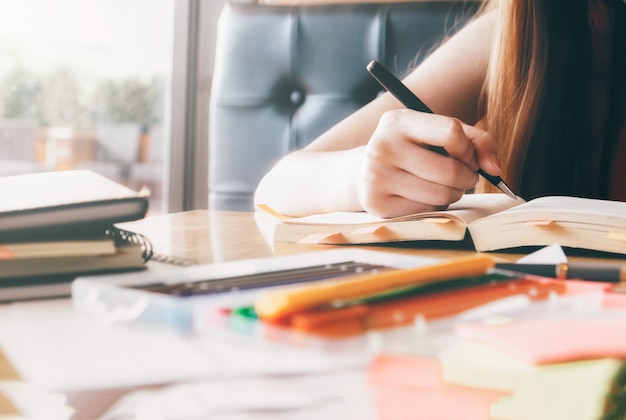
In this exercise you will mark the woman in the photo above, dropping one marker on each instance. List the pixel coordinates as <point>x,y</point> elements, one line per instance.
<point>531,90</point>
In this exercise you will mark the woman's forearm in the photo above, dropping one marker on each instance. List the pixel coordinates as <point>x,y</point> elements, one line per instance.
<point>306,182</point>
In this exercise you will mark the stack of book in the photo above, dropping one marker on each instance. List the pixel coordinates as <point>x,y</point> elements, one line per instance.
<point>55,226</point>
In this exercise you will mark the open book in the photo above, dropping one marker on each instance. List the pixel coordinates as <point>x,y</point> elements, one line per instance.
<point>492,221</point>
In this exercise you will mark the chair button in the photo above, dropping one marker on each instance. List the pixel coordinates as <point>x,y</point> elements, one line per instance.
<point>296,97</point>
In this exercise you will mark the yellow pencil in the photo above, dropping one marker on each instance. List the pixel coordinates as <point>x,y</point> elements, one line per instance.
<point>276,303</point>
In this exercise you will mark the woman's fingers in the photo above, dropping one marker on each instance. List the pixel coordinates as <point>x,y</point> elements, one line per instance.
<point>400,193</point>
<point>432,130</point>
<point>486,149</point>
<point>403,174</point>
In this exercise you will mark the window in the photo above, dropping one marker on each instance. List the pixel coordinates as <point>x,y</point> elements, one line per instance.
<point>87,84</point>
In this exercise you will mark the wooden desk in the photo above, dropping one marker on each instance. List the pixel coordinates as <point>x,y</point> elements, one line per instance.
<point>205,237</point>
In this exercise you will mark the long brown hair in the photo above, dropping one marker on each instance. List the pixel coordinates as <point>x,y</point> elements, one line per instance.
<point>556,130</point>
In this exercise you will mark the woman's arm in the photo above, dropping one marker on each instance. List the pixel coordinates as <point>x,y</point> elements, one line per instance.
<point>377,159</point>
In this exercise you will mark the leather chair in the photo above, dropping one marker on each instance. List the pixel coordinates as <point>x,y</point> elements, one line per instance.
<point>285,74</point>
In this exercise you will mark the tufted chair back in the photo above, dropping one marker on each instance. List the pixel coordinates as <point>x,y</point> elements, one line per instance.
<point>285,74</point>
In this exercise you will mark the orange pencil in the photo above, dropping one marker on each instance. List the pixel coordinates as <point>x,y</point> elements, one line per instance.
<point>277,303</point>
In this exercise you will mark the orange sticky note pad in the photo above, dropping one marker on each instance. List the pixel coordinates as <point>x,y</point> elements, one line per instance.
<point>439,220</point>
<point>617,236</point>
<point>539,223</point>
<point>6,254</point>
<point>271,211</point>
<point>370,230</point>
<point>323,238</point>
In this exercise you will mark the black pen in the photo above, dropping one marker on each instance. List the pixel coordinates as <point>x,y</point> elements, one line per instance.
<point>409,100</point>
<point>593,271</point>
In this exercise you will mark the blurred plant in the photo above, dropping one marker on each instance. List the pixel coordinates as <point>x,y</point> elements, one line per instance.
<point>20,93</point>
<point>61,98</point>
<point>128,100</point>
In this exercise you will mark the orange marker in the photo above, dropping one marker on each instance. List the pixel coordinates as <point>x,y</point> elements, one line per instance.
<point>346,322</point>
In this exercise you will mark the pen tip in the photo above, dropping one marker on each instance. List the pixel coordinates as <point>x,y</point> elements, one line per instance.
<point>505,189</point>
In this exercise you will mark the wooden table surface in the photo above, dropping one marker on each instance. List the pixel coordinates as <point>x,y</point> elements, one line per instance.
<point>206,236</point>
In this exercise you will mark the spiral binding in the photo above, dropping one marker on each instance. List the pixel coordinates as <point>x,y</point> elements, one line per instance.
<point>122,237</point>
<point>171,259</point>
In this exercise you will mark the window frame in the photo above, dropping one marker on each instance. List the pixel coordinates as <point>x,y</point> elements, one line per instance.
<point>186,174</point>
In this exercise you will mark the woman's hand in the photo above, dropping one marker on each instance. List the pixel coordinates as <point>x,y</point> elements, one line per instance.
<point>402,175</point>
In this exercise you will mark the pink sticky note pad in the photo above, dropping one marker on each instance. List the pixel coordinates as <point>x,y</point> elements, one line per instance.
<point>411,387</point>
<point>552,340</point>
<point>614,300</point>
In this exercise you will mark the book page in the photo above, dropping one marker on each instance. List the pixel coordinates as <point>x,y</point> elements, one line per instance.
<point>556,205</point>
<point>574,222</point>
<point>470,207</point>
